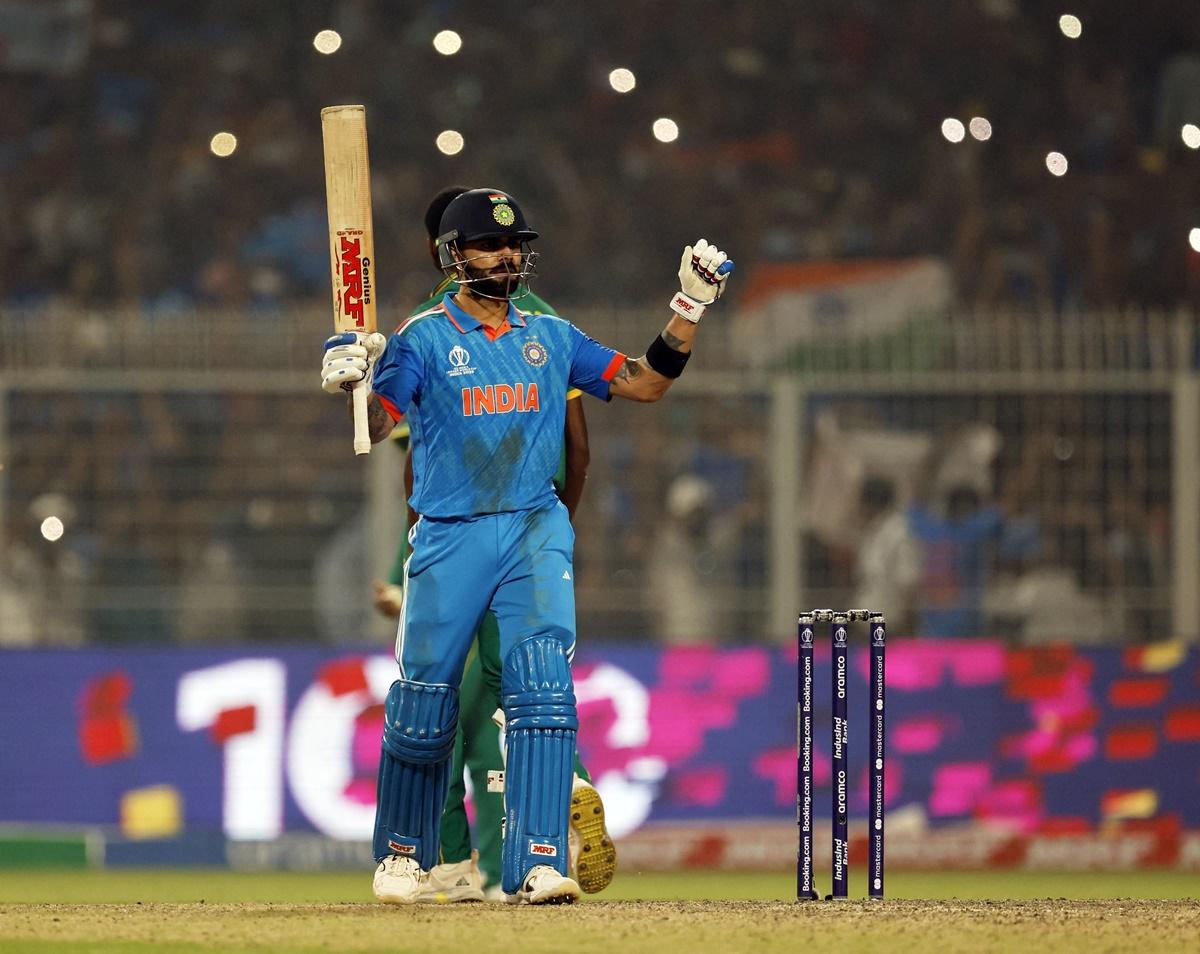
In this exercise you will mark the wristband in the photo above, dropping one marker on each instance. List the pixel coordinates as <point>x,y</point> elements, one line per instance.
<point>687,307</point>
<point>666,360</point>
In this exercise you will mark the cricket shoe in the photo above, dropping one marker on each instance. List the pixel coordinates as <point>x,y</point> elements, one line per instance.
<point>591,853</point>
<point>398,880</point>
<point>544,885</point>
<point>448,884</point>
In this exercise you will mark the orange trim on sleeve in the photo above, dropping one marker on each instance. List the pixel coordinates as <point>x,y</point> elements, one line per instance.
<point>613,367</point>
<point>573,394</point>
<point>393,411</point>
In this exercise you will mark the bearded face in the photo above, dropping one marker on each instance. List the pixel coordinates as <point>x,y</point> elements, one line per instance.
<point>495,281</point>
<point>494,267</point>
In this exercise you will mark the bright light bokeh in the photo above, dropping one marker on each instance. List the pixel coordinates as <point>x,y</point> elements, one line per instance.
<point>666,130</point>
<point>1071,26</point>
<point>1056,162</point>
<point>223,144</point>
<point>980,128</point>
<point>1194,239</point>
<point>52,529</point>
<point>450,142</point>
<point>953,130</point>
<point>622,80</point>
<point>327,41</point>
<point>447,42</point>
<point>1191,136</point>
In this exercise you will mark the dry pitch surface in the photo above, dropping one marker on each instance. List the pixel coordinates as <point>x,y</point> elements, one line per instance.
<point>295,913</point>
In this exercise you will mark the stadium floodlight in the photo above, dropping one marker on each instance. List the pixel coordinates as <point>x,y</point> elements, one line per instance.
<point>1056,162</point>
<point>327,41</point>
<point>665,130</point>
<point>1071,26</point>
<point>980,128</point>
<point>223,144</point>
<point>450,142</point>
<point>622,80</point>
<point>1191,135</point>
<point>447,42</point>
<point>953,130</point>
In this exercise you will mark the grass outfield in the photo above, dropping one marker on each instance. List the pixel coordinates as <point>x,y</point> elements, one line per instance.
<point>113,912</point>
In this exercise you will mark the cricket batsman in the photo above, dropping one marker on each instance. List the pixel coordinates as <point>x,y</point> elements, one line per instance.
<point>463,873</point>
<point>483,388</point>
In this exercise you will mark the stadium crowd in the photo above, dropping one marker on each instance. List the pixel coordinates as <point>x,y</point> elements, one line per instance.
<point>807,131</point>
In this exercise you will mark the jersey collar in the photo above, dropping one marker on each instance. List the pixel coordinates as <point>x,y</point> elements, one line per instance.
<point>464,322</point>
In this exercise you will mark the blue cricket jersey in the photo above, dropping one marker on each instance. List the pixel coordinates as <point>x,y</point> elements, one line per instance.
<point>487,408</point>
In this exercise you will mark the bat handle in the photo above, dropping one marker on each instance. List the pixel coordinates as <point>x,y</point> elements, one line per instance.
<point>362,433</point>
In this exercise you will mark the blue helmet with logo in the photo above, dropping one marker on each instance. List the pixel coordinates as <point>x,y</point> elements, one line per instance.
<point>480,214</point>
<point>483,213</point>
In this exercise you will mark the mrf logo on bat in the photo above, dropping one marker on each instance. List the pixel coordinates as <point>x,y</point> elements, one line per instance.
<point>356,277</point>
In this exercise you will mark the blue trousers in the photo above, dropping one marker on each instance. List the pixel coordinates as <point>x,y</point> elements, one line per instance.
<point>518,564</point>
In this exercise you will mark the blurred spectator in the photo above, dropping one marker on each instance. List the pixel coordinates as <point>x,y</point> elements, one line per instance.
<point>341,567</point>
<point>1178,94</point>
<point>1046,605</point>
<point>1014,270</point>
<point>211,606</point>
<point>690,563</point>
<point>17,624</point>
<point>954,553</point>
<point>889,559</point>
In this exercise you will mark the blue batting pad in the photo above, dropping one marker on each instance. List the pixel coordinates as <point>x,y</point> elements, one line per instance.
<point>539,705</point>
<point>414,770</point>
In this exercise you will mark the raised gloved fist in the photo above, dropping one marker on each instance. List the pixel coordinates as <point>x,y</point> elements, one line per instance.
<point>349,358</point>
<point>703,272</point>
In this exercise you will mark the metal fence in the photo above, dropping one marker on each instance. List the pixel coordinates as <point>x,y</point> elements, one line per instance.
<point>1001,474</point>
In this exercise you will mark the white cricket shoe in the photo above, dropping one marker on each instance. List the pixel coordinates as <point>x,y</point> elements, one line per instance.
<point>448,884</point>
<point>592,857</point>
<point>544,885</point>
<point>398,880</point>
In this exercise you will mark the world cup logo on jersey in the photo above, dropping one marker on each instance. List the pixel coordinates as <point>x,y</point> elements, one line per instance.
<point>535,353</point>
<point>460,361</point>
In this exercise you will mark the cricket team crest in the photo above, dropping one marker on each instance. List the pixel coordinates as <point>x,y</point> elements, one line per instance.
<point>535,353</point>
<point>503,214</point>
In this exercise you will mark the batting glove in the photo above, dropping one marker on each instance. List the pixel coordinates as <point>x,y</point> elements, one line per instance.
<point>703,271</point>
<point>349,358</point>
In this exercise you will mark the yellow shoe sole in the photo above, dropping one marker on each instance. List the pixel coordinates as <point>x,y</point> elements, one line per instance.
<point>597,855</point>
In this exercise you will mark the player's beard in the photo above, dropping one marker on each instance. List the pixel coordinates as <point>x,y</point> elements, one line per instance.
<point>499,282</point>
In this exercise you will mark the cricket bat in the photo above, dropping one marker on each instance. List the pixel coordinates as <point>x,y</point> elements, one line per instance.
<point>351,236</point>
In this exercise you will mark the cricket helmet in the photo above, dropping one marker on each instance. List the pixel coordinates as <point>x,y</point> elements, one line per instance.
<point>482,214</point>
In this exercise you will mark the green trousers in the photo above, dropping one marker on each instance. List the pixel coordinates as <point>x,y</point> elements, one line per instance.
<point>477,745</point>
